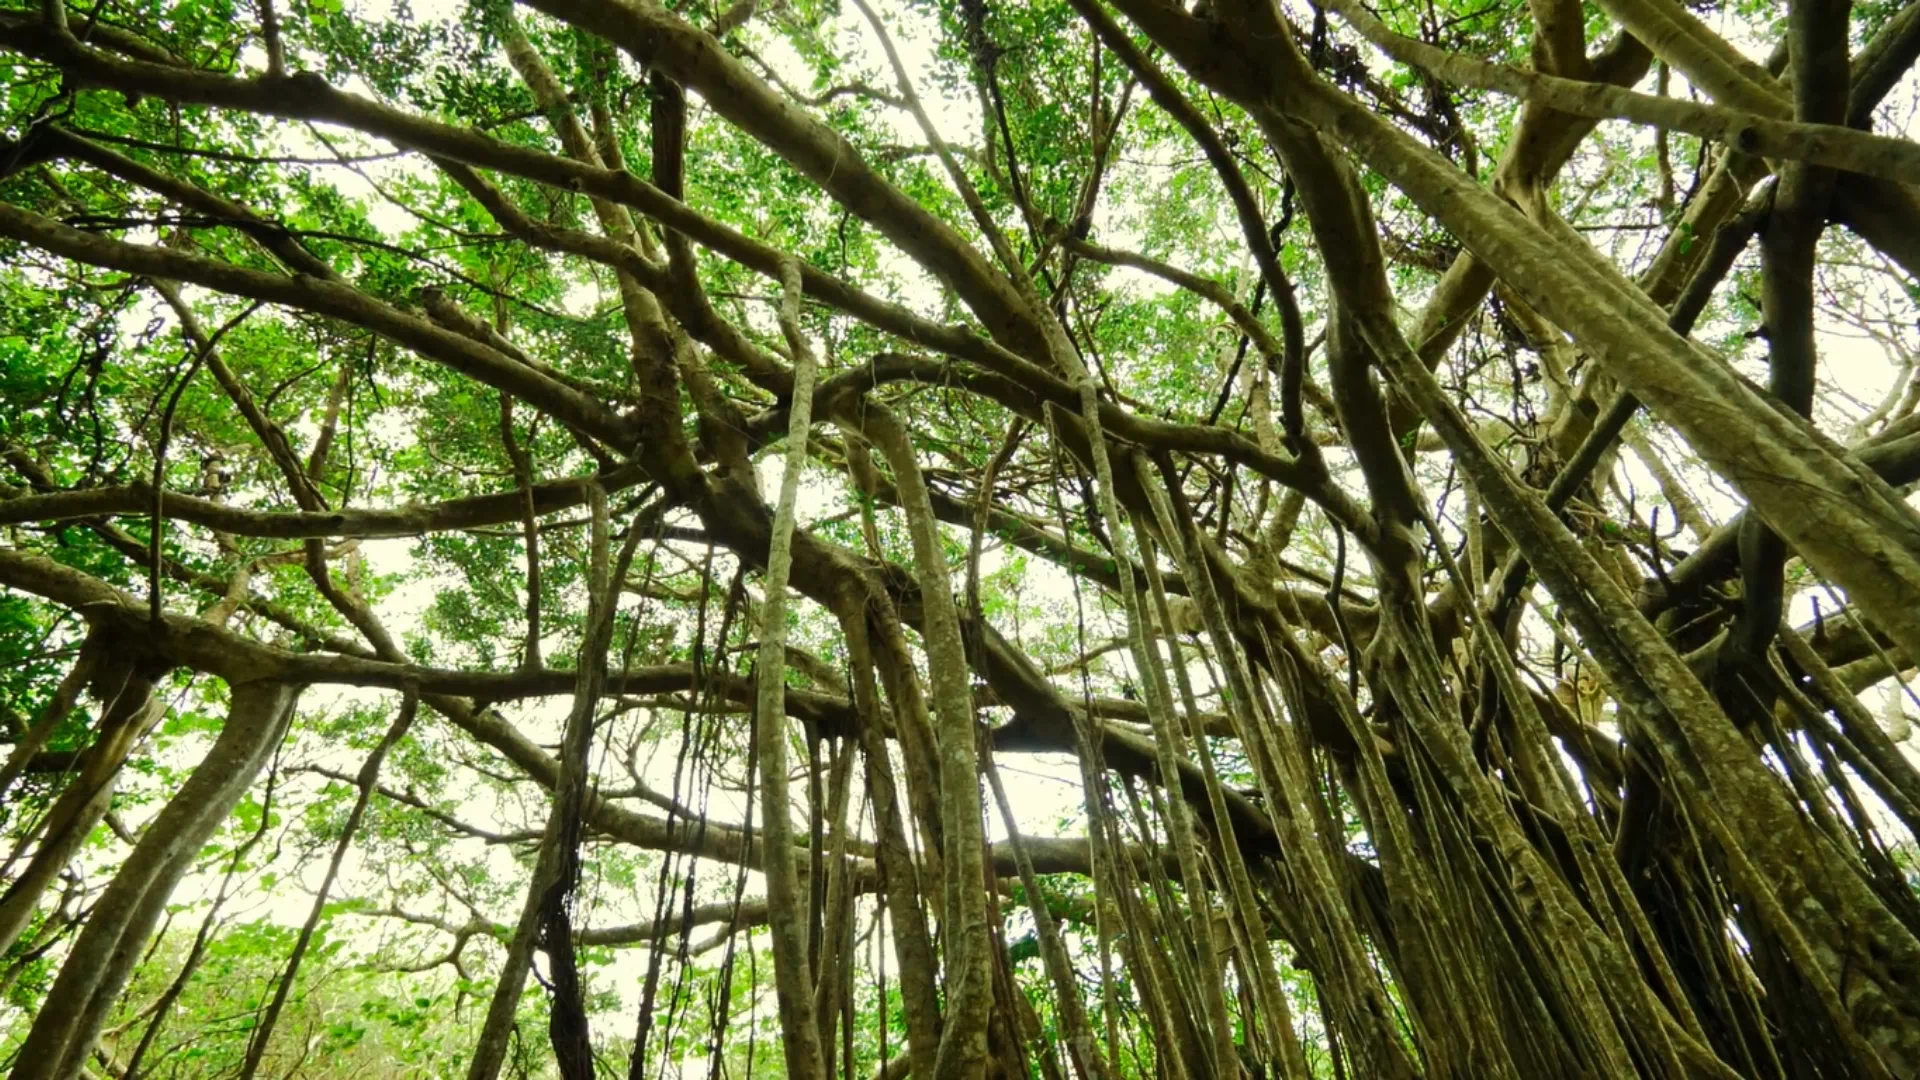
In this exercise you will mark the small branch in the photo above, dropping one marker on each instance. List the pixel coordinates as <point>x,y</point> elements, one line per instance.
<point>270,35</point>
<point>202,353</point>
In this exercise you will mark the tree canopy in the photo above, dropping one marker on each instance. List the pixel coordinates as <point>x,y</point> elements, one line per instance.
<point>959,539</point>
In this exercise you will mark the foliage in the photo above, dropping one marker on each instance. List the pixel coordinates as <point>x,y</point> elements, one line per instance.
<point>1502,466</point>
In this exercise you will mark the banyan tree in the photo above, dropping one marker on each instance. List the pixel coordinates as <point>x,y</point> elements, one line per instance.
<point>959,538</point>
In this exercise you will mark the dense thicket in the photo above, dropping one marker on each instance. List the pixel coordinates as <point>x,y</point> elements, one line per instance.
<point>1298,541</point>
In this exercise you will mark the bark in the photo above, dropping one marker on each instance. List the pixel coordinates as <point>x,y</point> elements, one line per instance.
<point>127,688</point>
<point>1848,525</point>
<point>103,956</point>
<point>793,975</point>
<point>544,916</point>
<point>964,930</point>
<point>1704,893</point>
<point>1819,142</point>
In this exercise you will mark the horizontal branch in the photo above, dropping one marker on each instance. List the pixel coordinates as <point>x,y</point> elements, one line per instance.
<point>203,646</point>
<point>474,511</point>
